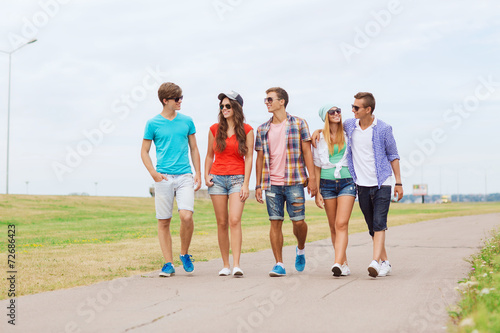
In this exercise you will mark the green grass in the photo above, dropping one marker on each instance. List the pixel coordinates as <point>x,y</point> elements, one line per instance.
<point>479,309</point>
<point>67,241</point>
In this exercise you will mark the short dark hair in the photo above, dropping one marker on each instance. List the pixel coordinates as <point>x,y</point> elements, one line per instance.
<point>169,90</point>
<point>368,99</point>
<point>282,94</point>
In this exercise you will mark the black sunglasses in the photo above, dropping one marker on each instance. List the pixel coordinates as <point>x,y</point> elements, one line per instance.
<point>270,99</point>
<point>228,106</point>
<point>356,108</point>
<point>177,99</point>
<point>333,111</point>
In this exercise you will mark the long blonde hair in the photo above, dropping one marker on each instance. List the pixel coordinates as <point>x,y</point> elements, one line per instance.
<point>339,136</point>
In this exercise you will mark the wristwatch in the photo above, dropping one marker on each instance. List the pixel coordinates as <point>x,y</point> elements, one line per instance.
<point>257,187</point>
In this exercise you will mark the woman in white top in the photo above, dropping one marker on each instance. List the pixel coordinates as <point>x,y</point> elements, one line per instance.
<point>337,189</point>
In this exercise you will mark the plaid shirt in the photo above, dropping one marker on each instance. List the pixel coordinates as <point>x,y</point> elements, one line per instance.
<point>296,131</point>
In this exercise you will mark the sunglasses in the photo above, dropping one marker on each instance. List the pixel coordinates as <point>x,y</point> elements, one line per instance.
<point>332,111</point>
<point>270,100</point>
<point>228,106</point>
<point>356,108</point>
<point>177,99</point>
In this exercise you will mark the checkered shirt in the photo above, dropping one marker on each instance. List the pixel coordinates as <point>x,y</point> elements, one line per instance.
<point>296,131</point>
<point>384,148</point>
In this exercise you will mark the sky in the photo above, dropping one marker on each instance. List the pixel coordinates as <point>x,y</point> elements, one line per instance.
<point>82,93</point>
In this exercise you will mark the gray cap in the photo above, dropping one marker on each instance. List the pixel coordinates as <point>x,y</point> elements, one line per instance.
<point>232,95</point>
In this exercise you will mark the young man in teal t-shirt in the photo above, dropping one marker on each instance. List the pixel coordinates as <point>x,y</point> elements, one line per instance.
<point>174,136</point>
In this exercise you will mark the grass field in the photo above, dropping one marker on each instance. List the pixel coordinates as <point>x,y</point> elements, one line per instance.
<point>479,308</point>
<point>67,241</point>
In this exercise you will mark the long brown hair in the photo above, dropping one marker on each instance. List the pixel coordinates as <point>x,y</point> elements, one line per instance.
<point>339,136</point>
<point>239,129</point>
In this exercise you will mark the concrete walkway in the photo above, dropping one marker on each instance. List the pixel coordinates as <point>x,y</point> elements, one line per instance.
<point>427,260</point>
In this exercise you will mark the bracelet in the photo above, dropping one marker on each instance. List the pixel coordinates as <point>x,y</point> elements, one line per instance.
<point>398,184</point>
<point>257,187</point>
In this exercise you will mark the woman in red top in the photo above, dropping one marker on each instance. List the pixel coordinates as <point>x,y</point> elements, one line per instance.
<point>227,173</point>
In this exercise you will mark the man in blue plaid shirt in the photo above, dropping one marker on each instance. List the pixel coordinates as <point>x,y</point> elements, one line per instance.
<point>372,157</point>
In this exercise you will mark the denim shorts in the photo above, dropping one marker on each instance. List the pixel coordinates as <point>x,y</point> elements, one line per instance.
<point>278,195</point>
<point>331,189</point>
<point>374,203</point>
<point>179,186</point>
<point>226,185</point>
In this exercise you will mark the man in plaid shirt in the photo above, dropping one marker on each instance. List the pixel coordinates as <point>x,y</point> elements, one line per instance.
<point>283,146</point>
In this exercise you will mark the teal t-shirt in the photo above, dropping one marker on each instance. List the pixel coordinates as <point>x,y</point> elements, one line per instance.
<point>334,158</point>
<point>172,143</point>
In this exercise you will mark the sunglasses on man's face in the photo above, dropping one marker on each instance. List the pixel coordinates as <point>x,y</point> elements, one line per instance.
<point>227,106</point>
<point>270,100</point>
<point>333,111</point>
<point>177,99</point>
<point>356,108</point>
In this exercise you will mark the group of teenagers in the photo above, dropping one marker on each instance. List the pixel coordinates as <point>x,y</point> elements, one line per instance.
<point>357,156</point>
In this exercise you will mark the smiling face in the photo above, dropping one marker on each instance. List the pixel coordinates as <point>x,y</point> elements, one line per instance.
<point>227,113</point>
<point>273,102</point>
<point>359,109</point>
<point>335,117</point>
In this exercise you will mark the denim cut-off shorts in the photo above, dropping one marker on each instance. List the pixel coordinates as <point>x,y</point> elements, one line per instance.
<point>226,185</point>
<point>292,194</point>
<point>331,189</point>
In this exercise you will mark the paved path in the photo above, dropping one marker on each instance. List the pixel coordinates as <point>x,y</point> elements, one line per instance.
<point>427,261</point>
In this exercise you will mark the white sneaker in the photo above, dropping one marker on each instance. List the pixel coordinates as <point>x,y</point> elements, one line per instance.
<point>385,268</point>
<point>374,268</point>
<point>337,269</point>
<point>345,270</point>
<point>225,272</point>
<point>237,272</point>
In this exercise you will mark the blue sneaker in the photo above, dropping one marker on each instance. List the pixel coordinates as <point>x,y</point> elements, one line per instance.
<point>167,270</point>
<point>277,271</point>
<point>187,262</point>
<point>300,262</point>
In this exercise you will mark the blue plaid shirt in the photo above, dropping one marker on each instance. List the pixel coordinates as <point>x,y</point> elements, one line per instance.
<point>384,148</point>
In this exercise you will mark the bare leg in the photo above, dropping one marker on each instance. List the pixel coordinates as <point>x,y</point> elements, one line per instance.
<point>300,232</point>
<point>187,227</point>
<point>383,255</point>
<point>165,239</point>
<point>220,208</point>
<point>379,246</point>
<point>235,212</point>
<point>276,237</point>
<point>331,214</point>
<point>344,209</point>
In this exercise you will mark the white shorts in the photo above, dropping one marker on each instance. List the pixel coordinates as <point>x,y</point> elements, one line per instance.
<point>180,186</point>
